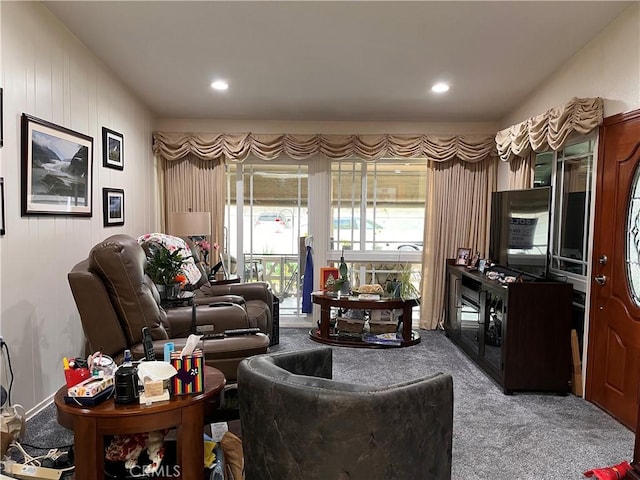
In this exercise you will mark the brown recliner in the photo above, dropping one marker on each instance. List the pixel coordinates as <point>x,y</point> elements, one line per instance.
<point>116,299</point>
<point>256,297</point>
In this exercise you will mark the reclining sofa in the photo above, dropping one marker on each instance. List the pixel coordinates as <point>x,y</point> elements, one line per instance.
<point>116,299</point>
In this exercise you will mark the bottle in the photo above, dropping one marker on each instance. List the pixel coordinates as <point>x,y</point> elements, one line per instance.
<point>342,268</point>
<point>128,360</point>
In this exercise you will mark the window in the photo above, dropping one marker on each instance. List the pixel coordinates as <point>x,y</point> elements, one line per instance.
<point>572,190</point>
<point>378,206</point>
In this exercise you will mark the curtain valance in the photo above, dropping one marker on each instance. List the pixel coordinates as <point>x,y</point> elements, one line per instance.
<point>237,147</point>
<point>551,129</point>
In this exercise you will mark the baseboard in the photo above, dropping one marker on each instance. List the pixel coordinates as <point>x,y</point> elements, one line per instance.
<point>39,407</point>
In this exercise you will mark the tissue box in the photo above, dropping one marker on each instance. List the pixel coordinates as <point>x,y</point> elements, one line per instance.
<point>190,376</point>
<point>91,386</point>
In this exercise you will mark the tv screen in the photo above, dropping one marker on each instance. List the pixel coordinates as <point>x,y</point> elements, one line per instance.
<point>519,230</point>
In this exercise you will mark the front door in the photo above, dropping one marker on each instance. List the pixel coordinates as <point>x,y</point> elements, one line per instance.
<point>613,361</point>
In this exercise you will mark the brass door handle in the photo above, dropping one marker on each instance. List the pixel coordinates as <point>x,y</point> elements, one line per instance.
<point>600,279</point>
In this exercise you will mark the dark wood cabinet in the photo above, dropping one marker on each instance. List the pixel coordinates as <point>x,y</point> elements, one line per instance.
<point>518,333</point>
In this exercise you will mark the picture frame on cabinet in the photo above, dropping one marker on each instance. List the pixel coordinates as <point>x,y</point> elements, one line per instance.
<point>3,228</point>
<point>463,255</point>
<point>57,169</point>
<point>112,149</point>
<point>112,207</point>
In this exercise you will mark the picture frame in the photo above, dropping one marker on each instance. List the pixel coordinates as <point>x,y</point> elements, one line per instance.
<point>3,228</point>
<point>463,256</point>
<point>324,275</point>
<point>473,263</point>
<point>57,169</point>
<point>112,207</point>
<point>112,149</point>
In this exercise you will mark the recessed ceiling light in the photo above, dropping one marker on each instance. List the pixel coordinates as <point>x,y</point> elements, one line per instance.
<point>440,87</point>
<point>219,85</point>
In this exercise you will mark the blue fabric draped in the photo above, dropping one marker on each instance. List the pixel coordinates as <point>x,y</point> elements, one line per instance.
<point>307,284</point>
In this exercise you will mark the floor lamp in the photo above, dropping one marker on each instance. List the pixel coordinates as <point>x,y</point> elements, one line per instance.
<point>190,224</point>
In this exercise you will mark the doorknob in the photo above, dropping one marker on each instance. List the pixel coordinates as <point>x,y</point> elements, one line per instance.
<point>600,279</point>
<point>603,259</point>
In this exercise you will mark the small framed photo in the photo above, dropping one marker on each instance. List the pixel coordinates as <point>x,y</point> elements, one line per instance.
<point>57,171</point>
<point>463,255</point>
<point>473,263</point>
<point>113,207</point>
<point>112,149</point>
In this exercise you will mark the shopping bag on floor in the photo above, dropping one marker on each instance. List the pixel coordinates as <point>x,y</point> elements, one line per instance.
<point>11,426</point>
<point>617,472</point>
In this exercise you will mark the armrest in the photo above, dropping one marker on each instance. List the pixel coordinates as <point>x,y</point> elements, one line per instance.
<point>248,290</point>
<point>237,299</point>
<point>220,317</point>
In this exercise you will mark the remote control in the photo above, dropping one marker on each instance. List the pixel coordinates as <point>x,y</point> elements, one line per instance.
<point>241,331</point>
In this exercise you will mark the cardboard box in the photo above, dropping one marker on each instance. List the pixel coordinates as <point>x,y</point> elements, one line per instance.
<point>91,386</point>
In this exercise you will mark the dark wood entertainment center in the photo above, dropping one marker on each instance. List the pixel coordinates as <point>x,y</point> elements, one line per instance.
<point>518,333</point>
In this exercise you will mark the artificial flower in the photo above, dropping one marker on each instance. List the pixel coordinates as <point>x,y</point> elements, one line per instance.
<point>180,278</point>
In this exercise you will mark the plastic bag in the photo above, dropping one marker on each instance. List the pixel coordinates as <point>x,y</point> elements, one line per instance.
<point>12,423</point>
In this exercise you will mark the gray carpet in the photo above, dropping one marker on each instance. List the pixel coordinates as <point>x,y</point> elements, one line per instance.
<point>522,436</point>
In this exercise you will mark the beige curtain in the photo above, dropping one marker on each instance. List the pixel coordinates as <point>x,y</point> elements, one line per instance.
<point>237,147</point>
<point>550,130</point>
<point>521,172</point>
<point>193,184</point>
<point>456,215</point>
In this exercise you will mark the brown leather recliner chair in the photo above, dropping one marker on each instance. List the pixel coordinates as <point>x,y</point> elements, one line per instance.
<point>256,297</point>
<point>116,299</point>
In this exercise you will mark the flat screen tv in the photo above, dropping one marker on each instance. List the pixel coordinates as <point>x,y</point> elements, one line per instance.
<point>519,230</point>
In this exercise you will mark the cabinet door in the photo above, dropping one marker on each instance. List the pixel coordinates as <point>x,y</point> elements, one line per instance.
<point>495,316</point>
<point>452,319</point>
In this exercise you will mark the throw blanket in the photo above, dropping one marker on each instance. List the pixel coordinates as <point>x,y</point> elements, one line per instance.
<point>189,268</point>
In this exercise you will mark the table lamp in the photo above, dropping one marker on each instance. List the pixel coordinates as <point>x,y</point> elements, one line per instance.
<point>190,224</point>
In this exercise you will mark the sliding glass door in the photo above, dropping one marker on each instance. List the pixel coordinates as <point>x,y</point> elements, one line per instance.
<point>266,222</point>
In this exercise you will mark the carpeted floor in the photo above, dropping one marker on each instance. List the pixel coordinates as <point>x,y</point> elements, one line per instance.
<point>496,436</point>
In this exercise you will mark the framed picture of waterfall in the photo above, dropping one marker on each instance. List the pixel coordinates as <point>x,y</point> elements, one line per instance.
<point>112,149</point>
<point>57,169</point>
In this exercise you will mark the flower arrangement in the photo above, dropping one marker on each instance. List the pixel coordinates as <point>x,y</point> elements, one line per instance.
<point>204,248</point>
<point>164,265</point>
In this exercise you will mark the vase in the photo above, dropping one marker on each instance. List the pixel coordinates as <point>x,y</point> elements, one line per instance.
<point>168,291</point>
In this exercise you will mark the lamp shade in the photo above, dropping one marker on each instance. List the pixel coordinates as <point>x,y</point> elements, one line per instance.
<point>190,224</point>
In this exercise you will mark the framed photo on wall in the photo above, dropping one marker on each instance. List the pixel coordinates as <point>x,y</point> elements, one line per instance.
<point>112,207</point>
<point>57,169</point>
<point>112,149</point>
<point>463,255</point>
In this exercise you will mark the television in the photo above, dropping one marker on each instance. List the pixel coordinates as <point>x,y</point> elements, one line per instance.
<point>519,230</point>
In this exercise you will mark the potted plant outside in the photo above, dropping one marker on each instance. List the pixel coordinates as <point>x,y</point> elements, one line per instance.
<point>163,266</point>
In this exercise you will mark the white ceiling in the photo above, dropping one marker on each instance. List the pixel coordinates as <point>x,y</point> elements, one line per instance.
<point>334,61</point>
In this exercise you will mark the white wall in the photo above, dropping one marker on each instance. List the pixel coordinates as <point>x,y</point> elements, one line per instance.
<point>607,67</point>
<point>47,73</point>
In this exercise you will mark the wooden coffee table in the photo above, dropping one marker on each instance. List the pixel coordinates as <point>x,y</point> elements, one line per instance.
<point>327,301</point>
<point>186,413</point>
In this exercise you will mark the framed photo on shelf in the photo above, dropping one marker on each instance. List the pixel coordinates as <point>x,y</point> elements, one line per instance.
<point>57,169</point>
<point>324,275</point>
<point>463,256</point>
<point>112,207</point>
<point>473,263</point>
<point>112,149</point>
